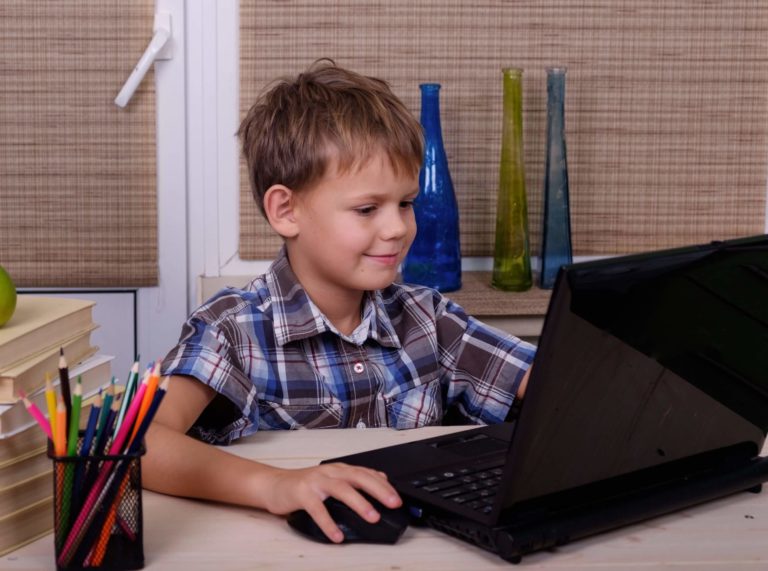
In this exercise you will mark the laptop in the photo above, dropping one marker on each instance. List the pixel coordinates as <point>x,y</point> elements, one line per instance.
<point>649,394</point>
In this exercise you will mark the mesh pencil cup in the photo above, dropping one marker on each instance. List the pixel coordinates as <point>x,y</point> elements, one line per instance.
<point>97,511</point>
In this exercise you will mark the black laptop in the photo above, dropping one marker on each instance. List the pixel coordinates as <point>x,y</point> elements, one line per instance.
<point>649,393</point>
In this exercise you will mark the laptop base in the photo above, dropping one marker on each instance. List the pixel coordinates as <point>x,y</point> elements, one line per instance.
<point>513,540</point>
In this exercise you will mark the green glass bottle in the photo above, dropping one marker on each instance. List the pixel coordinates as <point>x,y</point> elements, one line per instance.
<point>511,255</point>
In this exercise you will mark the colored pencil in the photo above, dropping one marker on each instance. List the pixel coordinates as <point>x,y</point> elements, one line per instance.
<point>90,427</point>
<point>60,449</point>
<point>69,471</point>
<point>92,433</point>
<point>50,399</point>
<point>110,393</point>
<point>81,468</point>
<point>149,394</point>
<point>37,415</point>
<point>64,383</point>
<point>130,387</point>
<point>135,445</point>
<point>115,427</point>
<point>103,434</point>
<point>130,416</point>
<point>103,482</point>
<point>104,429</point>
<point>95,497</point>
<point>60,444</point>
<point>74,419</point>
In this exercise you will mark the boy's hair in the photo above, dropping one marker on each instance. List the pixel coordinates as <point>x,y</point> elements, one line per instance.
<point>298,127</point>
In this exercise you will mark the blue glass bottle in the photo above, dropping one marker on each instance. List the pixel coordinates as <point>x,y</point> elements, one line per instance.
<point>434,259</point>
<point>556,233</point>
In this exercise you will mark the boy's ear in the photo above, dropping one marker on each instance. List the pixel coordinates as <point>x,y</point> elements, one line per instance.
<point>279,204</point>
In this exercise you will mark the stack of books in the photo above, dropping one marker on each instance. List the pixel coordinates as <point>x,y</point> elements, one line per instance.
<point>32,344</point>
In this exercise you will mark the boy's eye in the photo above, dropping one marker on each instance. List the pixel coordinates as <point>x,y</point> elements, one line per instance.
<point>365,210</point>
<point>406,204</point>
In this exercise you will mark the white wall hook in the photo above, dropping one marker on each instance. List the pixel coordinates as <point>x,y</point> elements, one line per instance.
<point>159,48</point>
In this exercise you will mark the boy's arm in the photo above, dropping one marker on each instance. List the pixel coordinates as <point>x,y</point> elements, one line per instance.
<point>523,384</point>
<point>180,465</point>
<point>482,366</point>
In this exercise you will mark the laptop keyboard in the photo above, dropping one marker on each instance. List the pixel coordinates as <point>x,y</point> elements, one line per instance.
<point>473,486</point>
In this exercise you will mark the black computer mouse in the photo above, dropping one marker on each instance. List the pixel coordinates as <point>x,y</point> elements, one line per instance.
<point>388,529</point>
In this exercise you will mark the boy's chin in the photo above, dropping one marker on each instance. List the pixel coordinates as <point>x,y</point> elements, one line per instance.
<point>381,281</point>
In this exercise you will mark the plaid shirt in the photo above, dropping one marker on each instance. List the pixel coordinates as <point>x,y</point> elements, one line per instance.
<point>282,365</point>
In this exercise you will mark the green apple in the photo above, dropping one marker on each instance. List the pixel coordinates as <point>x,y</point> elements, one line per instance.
<point>7,297</point>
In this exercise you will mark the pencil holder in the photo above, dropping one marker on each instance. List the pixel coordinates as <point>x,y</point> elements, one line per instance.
<point>97,511</point>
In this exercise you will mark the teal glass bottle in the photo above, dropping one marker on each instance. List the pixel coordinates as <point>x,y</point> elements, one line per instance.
<point>556,248</point>
<point>434,259</point>
<point>511,254</point>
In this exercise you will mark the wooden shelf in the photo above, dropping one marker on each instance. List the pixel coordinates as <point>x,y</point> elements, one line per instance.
<point>478,298</point>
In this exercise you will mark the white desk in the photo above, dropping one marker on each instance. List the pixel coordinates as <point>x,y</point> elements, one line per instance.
<point>185,535</point>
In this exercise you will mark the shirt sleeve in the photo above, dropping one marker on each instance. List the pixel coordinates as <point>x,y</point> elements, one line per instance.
<point>481,366</point>
<point>207,351</point>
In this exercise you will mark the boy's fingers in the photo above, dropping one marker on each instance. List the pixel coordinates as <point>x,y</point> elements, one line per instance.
<point>385,494</point>
<point>372,482</point>
<point>378,490</point>
<point>358,503</point>
<point>346,484</point>
<point>324,521</point>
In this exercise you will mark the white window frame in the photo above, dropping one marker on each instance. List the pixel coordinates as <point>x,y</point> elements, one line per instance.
<point>161,310</point>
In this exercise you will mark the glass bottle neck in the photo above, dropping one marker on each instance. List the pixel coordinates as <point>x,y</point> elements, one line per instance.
<point>430,111</point>
<point>556,87</point>
<point>512,115</point>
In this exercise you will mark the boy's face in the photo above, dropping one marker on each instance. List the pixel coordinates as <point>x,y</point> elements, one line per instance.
<point>354,229</point>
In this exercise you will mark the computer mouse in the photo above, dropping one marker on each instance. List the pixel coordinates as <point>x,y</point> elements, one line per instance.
<point>388,529</point>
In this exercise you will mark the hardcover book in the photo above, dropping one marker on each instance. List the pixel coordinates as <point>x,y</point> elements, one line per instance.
<point>29,375</point>
<point>26,525</point>
<point>94,372</point>
<point>41,324</point>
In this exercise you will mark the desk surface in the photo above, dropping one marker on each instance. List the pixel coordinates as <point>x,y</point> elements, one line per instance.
<point>186,535</point>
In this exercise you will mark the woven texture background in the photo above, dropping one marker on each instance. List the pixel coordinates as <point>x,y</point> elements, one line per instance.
<point>77,174</point>
<point>666,104</point>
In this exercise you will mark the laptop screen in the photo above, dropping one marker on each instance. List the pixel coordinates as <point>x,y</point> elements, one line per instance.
<point>645,360</point>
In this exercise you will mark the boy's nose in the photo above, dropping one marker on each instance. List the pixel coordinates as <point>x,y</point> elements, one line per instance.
<point>395,226</point>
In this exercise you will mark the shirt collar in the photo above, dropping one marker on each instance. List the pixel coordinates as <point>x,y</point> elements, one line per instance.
<point>381,328</point>
<point>296,317</point>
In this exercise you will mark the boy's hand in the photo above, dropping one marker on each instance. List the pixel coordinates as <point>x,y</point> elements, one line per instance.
<point>307,488</point>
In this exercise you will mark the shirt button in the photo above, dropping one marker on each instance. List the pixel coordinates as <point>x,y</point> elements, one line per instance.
<point>358,367</point>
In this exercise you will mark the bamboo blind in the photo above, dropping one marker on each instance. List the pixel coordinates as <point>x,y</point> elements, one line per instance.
<point>666,104</point>
<point>77,174</point>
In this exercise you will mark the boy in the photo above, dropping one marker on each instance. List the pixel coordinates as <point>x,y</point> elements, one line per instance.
<point>325,339</point>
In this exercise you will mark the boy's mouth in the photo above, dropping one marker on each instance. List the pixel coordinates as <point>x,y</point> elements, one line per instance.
<point>386,259</point>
